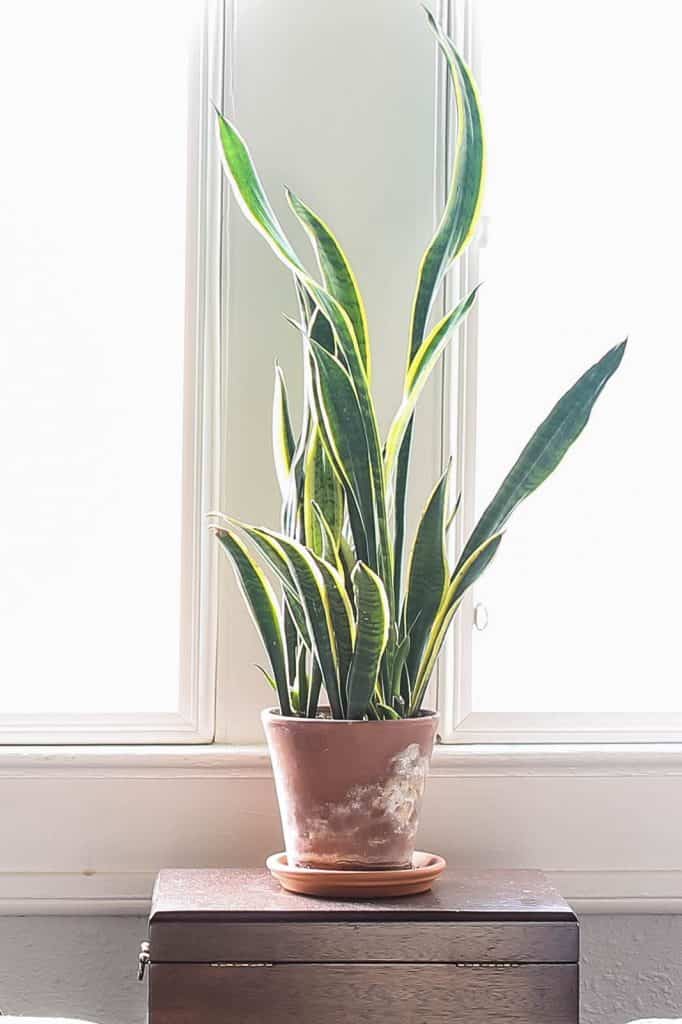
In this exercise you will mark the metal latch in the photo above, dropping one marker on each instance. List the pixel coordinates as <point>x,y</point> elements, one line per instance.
<point>143,959</point>
<point>480,617</point>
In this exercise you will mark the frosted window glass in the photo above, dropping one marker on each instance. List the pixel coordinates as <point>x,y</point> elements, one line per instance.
<point>585,220</point>
<point>93,178</point>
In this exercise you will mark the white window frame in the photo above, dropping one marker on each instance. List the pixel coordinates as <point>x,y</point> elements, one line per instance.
<point>193,722</point>
<point>459,723</point>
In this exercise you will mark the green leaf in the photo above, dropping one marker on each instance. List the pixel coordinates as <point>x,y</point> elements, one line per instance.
<point>349,560</point>
<point>302,687</point>
<point>343,623</point>
<point>373,616</point>
<point>283,444</point>
<point>330,543</point>
<point>261,603</point>
<point>341,422</point>
<point>402,651</point>
<point>383,560</point>
<point>427,574</point>
<point>247,187</point>
<point>546,448</point>
<point>315,687</point>
<point>249,192</point>
<point>400,511</point>
<point>274,557</point>
<point>315,599</point>
<point>321,490</point>
<point>418,373</point>
<point>292,642</point>
<point>337,275</point>
<point>268,678</point>
<point>388,712</point>
<point>454,231</point>
<point>460,582</point>
<point>455,510</point>
<point>463,204</point>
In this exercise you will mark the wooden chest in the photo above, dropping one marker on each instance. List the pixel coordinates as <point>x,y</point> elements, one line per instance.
<point>482,947</point>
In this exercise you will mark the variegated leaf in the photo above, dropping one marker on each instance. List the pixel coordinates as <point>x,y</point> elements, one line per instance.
<point>373,616</point>
<point>263,607</point>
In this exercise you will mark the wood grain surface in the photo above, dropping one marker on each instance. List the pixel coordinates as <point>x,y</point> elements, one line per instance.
<point>364,994</point>
<point>249,895</point>
<point>388,941</point>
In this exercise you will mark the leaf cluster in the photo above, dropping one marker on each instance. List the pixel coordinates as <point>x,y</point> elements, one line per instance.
<point>350,618</point>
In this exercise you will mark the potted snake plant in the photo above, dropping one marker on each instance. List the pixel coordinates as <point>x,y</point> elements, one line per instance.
<point>353,633</point>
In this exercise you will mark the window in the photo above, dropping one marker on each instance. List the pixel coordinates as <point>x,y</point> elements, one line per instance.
<point>104,343</point>
<point>360,148</point>
<point>578,250</point>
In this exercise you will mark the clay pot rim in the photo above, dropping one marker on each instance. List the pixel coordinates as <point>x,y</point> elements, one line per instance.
<point>275,717</point>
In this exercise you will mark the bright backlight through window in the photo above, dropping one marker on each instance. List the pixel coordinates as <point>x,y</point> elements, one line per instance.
<point>93,106</point>
<point>584,221</point>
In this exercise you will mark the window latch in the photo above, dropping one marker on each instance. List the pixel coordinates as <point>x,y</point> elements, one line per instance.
<point>480,616</point>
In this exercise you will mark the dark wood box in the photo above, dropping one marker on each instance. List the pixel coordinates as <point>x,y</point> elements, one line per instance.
<point>482,947</point>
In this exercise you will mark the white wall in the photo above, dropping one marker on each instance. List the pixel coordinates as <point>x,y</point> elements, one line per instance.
<point>85,966</point>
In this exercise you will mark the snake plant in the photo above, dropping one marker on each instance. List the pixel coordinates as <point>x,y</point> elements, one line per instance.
<point>350,618</point>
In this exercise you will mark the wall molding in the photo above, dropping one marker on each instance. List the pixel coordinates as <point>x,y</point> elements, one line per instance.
<point>221,760</point>
<point>86,829</point>
<point>127,893</point>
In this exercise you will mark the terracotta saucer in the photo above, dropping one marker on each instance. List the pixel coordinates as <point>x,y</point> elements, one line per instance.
<point>355,885</point>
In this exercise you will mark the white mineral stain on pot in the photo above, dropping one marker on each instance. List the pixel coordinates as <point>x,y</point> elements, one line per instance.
<point>389,806</point>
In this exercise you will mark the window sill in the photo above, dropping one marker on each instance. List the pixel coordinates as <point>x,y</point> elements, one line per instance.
<point>222,760</point>
<point>88,827</point>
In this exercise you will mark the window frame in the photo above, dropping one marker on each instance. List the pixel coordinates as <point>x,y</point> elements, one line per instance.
<point>455,682</point>
<point>193,722</point>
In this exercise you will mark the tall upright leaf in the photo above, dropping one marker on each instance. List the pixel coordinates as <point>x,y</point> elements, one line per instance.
<point>373,618</point>
<point>427,574</point>
<point>454,231</point>
<point>343,430</point>
<point>343,623</point>
<point>460,582</point>
<point>250,194</point>
<point>314,596</point>
<point>418,373</point>
<point>247,187</point>
<point>462,207</point>
<point>283,443</point>
<point>546,448</point>
<point>337,275</point>
<point>263,607</point>
<point>321,489</point>
<point>331,542</point>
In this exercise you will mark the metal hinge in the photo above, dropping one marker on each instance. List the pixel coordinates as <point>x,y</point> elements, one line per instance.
<point>499,965</point>
<point>143,958</point>
<point>241,963</point>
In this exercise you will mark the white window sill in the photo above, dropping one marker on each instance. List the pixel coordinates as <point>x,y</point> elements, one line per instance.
<point>222,760</point>
<point>86,828</point>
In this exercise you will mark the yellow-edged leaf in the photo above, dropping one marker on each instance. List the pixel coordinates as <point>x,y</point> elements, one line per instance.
<point>260,600</point>
<point>373,618</point>
<point>337,274</point>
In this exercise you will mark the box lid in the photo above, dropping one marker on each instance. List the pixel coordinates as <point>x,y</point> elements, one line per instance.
<point>206,915</point>
<point>233,894</point>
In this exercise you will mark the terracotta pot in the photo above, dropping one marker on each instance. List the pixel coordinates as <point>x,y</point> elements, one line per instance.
<point>350,792</point>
